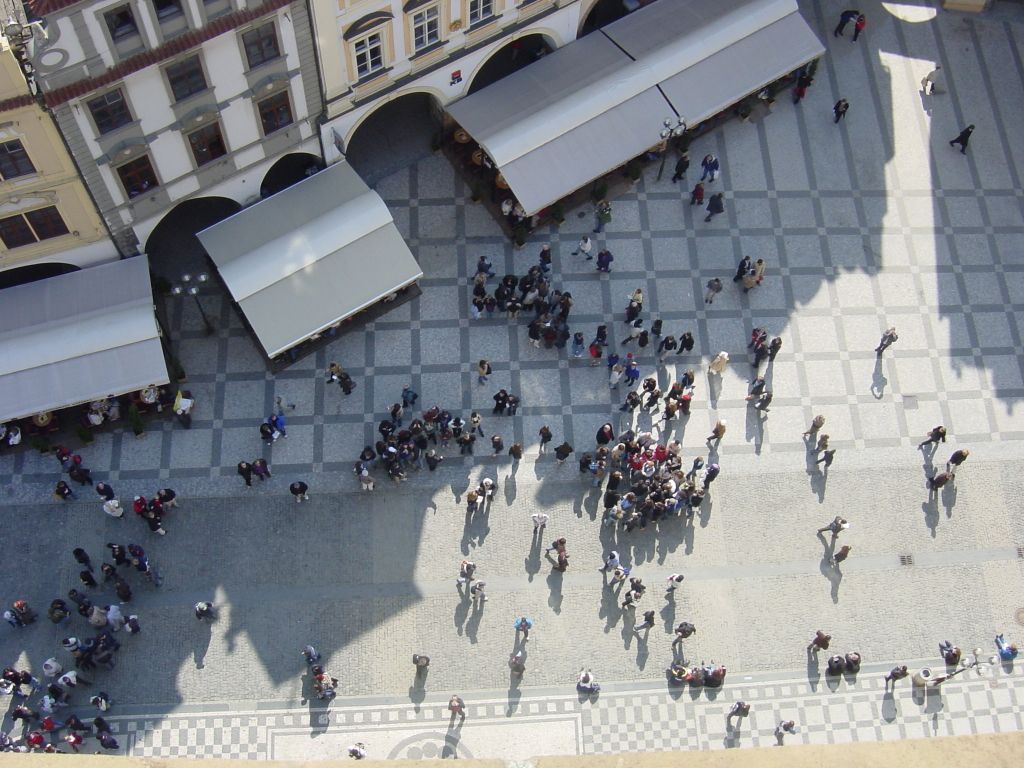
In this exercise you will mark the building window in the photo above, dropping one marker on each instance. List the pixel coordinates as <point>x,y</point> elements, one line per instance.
<point>275,112</point>
<point>31,227</point>
<point>207,144</point>
<point>14,160</point>
<point>186,78</point>
<point>121,23</point>
<point>425,28</point>
<point>480,10</point>
<point>109,111</point>
<point>369,54</point>
<point>137,176</point>
<point>260,45</point>
<point>166,9</point>
<point>215,8</point>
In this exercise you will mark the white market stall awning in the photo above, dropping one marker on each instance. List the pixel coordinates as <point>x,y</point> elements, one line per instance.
<point>310,256</point>
<point>78,337</point>
<point>593,104</point>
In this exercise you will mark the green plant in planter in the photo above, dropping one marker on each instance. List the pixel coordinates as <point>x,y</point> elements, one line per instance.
<point>558,213</point>
<point>599,191</point>
<point>135,419</point>
<point>474,191</point>
<point>41,444</point>
<point>177,371</point>
<point>85,435</point>
<point>161,285</point>
<point>634,170</point>
<point>519,235</point>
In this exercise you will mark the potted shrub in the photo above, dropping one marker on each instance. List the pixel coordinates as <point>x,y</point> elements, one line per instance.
<point>599,191</point>
<point>634,170</point>
<point>519,235</point>
<point>558,213</point>
<point>474,191</point>
<point>85,435</point>
<point>40,443</point>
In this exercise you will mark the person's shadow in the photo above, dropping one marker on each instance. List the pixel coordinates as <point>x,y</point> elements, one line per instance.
<point>878,380</point>
<point>462,609</point>
<point>555,590</point>
<point>476,614</point>
<point>714,388</point>
<point>815,475</point>
<point>202,642</point>
<point>510,485</point>
<point>890,711</point>
<point>418,689</point>
<point>531,563</point>
<point>813,669</point>
<point>949,498</point>
<point>319,716</point>
<point>930,508</point>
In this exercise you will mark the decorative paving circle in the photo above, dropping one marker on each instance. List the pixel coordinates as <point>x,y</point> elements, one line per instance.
<point>430,745</point>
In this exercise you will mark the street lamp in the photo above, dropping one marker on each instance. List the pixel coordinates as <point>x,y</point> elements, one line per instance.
<point>672,127</point>
<point>192,289</point>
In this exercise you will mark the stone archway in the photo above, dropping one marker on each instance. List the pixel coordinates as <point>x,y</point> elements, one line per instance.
<point>289,170</point>
<point>32,272</point>
<point>509,58</point>
<point>394,136</point>
<point>173,247</point>
<point>604,12</point>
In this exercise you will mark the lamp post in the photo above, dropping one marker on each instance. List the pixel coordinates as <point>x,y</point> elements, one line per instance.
<point>192,289</point>
<point>671,129</point>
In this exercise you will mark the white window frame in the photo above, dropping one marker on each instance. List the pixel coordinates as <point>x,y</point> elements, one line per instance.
<point>374,40</point>
<point>480,10</point>
<point>426,27</point>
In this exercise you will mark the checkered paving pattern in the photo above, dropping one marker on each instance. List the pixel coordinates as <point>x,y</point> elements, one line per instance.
<point>873,223</point>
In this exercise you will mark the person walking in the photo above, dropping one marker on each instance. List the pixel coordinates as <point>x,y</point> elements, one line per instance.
<point>934,437</point>
<point>584,246</point>
<point>483,370</point>
<point>647,623</point>
<point>476,592</point>
<point>299,490</point>
<point>931,83</point>
<point>784,727</point>
<point>697,195</point>
<point>716,205</point>
<point>717,432</point>
<point>936,482</point>
<point>719,363</point>
<point>963,138</point>
<point>714,287</point>
<point>524,625</point>
<point>837,526</point>
<point>682,166</point>
<point>562,452</point>
<point>895,674</point>
<point>827,459</point>
<point>841,555</point>
<point>816,424</point>
<point>819,642</point>
<point>840,109</point>
<point>604,260</point>
<point>457,707</point>
<point>261,469</point>
<point>888,337</point>
<point>105,492</point>
<point>803,82</point>
<point>673,582</point>
<point>746,265</point>
<point>516,452</point>
<point>684,630</point>
<point>545,438</point>
<point>203,610</point>
<point>710,166</point>
<point>63,491</point>
<point>844,18</point>
<point>955,460</point>
<point>685,343</point>
<point>540,521</point>
<point>611,562</point>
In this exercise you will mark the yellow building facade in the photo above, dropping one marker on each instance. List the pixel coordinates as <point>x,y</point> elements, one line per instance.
<point>47,218</point>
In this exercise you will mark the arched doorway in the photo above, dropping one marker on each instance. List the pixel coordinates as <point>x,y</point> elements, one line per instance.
<point>605,12</point>
<point>173,247</point>
<point>394,136</point>
<point>32,272</point>
<point>509,58</point>
<point>290,169</point>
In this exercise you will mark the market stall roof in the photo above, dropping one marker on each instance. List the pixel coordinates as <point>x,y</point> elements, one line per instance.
<point>78,337</point>
<point>310,256</point>
<point>595,103</point>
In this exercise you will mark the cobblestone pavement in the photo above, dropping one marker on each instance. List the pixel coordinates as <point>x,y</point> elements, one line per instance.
<point>872,223</point>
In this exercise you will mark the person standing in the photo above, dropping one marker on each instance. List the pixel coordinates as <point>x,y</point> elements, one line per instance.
<point>936,481</point>
<point>604,260</point>
<point>844,18</point>
<point>803,82</point>
<point>827,458</point>
<point>299,490</point>
<point>562,452</point>
<point>716,205</point>
<point>840,109</point>
<point>105,492</point>
<point>545,438</point>
<point>673,581</point>
<point>858,26</point>
<point>746,265</point>
<point>714,287</point>
<point>888,337</point>
<point>602,215</point>
<point>261,469</point>
<point>895,674</point>
<point>685,343</point>
<point>540,521</point>
<point>717,432</point>
<point>245,472</point>
<point>647,623</point>
<point>682,166</point>
<point>697,195</point>
<point>820,642</point>
<point>457,707</point>
<point>710,166</point>
<point>483,370</point>
<point>816,424</point>
<point>718,364</point>
<point>963,138</point>
<point>516,452</point>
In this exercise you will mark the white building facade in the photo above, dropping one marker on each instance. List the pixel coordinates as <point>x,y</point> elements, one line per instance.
<point>374,51</point>
<point>162,101</point>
